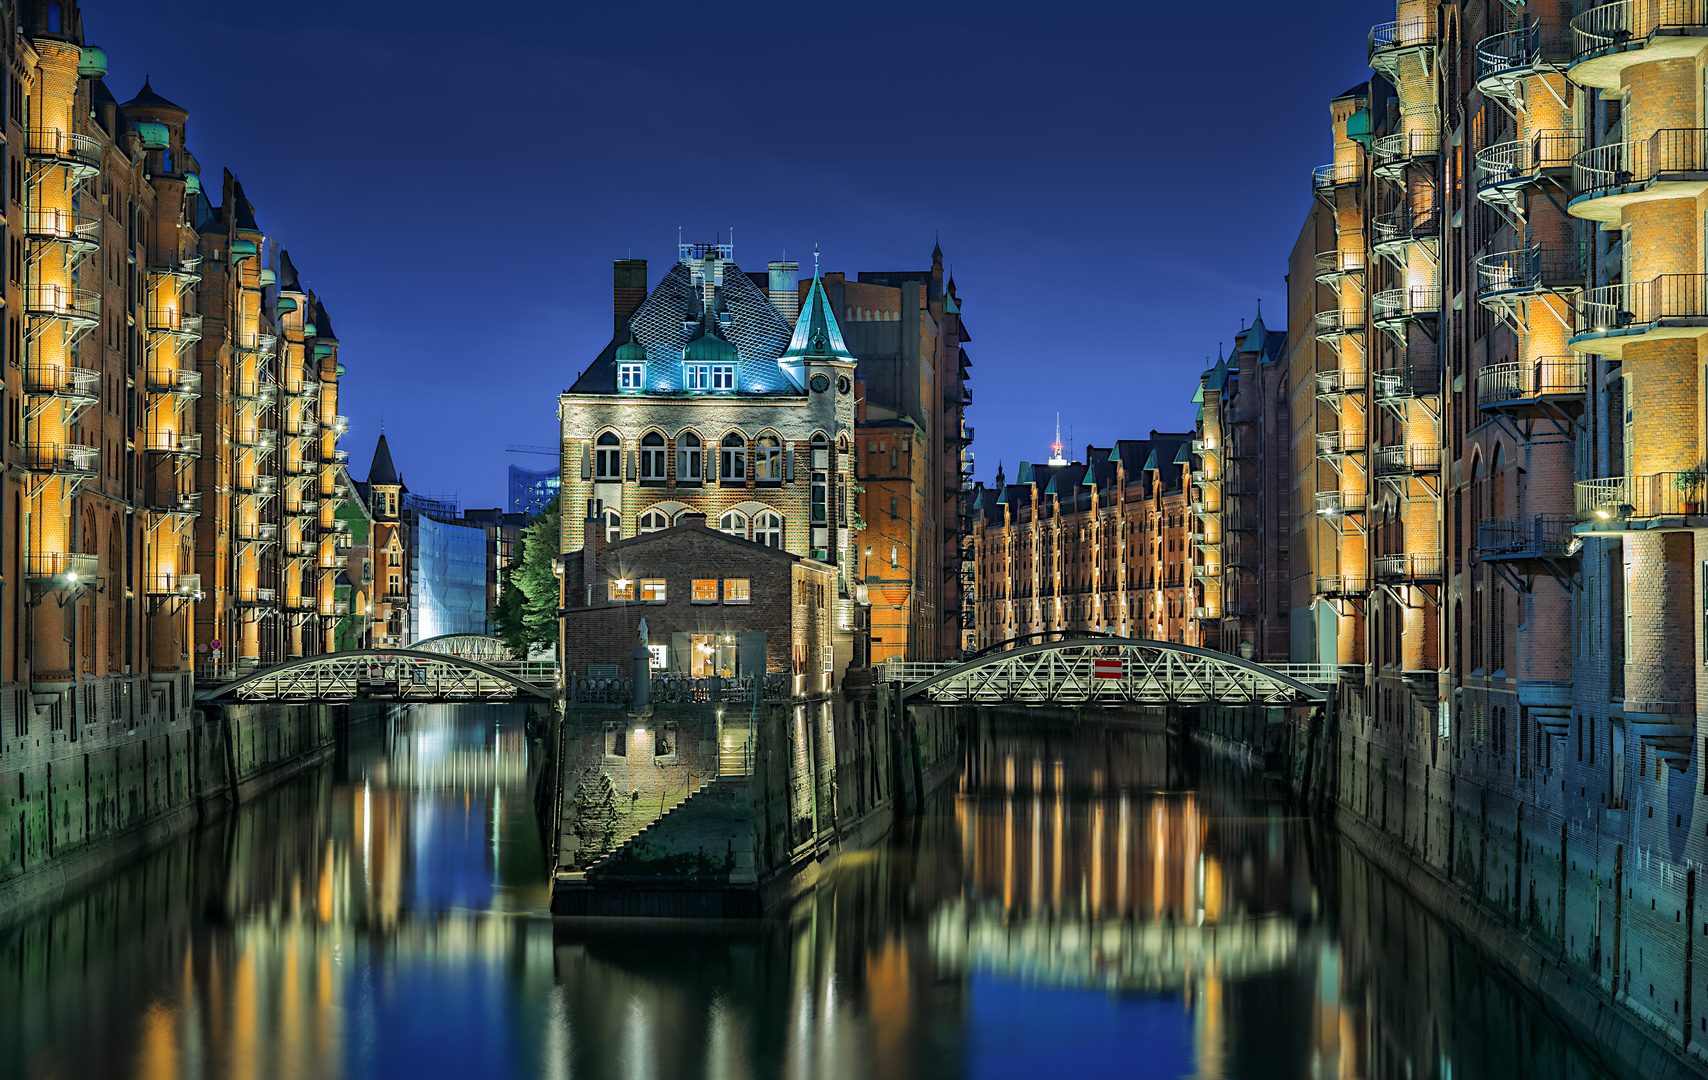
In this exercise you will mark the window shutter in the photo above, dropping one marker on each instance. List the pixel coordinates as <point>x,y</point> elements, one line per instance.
<point>789,463</point>
<point>633,457</point>
<point>586,462</point>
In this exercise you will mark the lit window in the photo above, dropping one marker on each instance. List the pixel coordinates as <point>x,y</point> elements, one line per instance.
<point>732,459</point>
<point>705,590</point>
<point>723,376</point>
<point>652,590</point>
<point>608,457</point>
<point>652,457</point>
<point>697,376</point>
<point>735,590</point>
<point>630,377</point>
<point>652,521</point>
<point>688,458</point>
<point>620,588</point>
<point>768,459</point>
<point>768,529</point>
<point>734,522</point>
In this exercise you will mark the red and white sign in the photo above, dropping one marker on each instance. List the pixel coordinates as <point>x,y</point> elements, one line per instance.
<point>1108,669</point>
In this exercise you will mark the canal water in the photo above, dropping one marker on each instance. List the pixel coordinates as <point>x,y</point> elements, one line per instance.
<point>1084,901</point>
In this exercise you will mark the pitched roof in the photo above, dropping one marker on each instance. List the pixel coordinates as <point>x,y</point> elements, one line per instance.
<point>146,98</point>
<point>816,331</point>
<point>382,471</point>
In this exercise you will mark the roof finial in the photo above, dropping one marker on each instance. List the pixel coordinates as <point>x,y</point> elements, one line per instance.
<point>815,261</point>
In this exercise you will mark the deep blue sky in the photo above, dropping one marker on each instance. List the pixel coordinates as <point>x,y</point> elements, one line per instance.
<point>1116,186</point>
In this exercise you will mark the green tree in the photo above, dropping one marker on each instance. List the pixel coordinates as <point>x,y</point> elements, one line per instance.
<point>528,600</point>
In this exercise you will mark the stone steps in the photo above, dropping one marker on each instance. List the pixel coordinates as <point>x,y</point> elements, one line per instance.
<point>634,837</point>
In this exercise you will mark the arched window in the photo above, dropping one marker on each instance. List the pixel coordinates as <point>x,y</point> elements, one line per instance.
<point>652,458</point>
<point>54,18</point>
<point>688,458</point>
<point>734,522</point>
<point>608,457</point>
<point>768,459</point>
<point>732,460</point>
<point>768,529</point>
<point>613,526</point>
<point>652,521</point>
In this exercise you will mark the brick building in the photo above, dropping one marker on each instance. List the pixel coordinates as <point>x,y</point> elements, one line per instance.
<point>714,604</point>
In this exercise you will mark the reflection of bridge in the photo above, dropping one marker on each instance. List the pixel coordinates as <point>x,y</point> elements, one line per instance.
<point>1111,671</point>
<point>1116,954</point>
<point>401,675</point>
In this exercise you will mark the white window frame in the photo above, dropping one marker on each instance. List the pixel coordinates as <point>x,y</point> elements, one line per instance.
<point>768,529</point>
<point>723,378</point>
<point>613,526</point>
<point>732,461</point>
<point>653,461</point>
<point>631,376</point>
<point>768,459</point>
<point>608,459</point>
<point>690,459</point>
<point>697,377</point>
<point>728,524</point>
<point>652,521</point>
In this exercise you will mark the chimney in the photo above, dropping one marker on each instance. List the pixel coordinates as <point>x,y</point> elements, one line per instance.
<point>784,294</point>
<point>628,290</point>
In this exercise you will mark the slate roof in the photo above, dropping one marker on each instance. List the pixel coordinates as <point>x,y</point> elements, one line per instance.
<point>382,471</point>
<point>146,98</point>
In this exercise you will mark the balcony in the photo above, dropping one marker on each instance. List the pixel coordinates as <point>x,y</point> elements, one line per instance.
<point>61,459</point>
<point>1337,503</point>
<point>1506,277</point>
<point>1342,586</point>
<point>1609,38</point>
<point>1336,323</point>
<point>1394,307</point>
<point>1393,462</point>
<point>78,387</point>
<point>299,467</point>
<point>81,308</point>
<point>185,326</point>
<point>184,383</point>
<point>1333,267</point>
<point>1338,174</point>
<point>263,440</point>
<point>1407,383</point>
<point>77,231</point>
<point>257,394</point>
<point>1670,306</point>
<point>64,568</point>
<point>1670,164</point>
<point>1205,611</point>
<point>185,504</point>
<point>1517,539</point>
<point>302,604</point>
<point>256,598</point>
<point>1614,499</point>
<point>1391,42</point>
<point>335,457</point>
<point>78,153</point>
<point>1417,143</point>
<point>184,271</point>
<point>1334,445</point>
<point>1504,171</point>
<point>177,586</point>
<point>1333,385</point>
<point>1505,60</point>
<point>182,444</point>
<point>1548,383</point>
<point>1405,225</point>
<point>258,532</point>
<point>256,485</point>
<point>335,609</point>
<point>338,422</point>
<point>1206,573</point>
<point>1412,567</point>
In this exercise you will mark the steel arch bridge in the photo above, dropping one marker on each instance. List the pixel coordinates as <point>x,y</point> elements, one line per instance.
<point>402,675</point>
<point>1110,672</point>
<point>482,647</point>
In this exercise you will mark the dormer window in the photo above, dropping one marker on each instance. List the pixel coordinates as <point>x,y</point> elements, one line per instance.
<point>697,377</point>
<point>723,376</point>
<point>631,376</point>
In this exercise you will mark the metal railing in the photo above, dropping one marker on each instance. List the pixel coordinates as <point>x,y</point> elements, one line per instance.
<point>1343,584</point>
<point>175,321</point>
<point>73,228</point>
<point>1389,38</point>
<point>257,439</point>
<point>1402,383</point>
<point>1409,566</point>
<point>184,382</point>
<point>1409,302</point>
<point>256,597</point>
<point>1602,169</point>
<point>188,503</point>
<point>1629,24</point>
<point>80,152</point>
<point>67,567</point>
<point>1538,268</point>
<point>256,485</point>
<point>188,269</point>
<point>1530,379</point>
<point>62,302</point>
<point>259,532</point>
<point>1336,174</point>
<point>1504,58</point>
<point>1335,383</point>
<point>1669,296</point>
<point>1407,460</point>
<point>61,459</point>
<point>1333,503</point>
<point>1514,163</point>
<point>1406,224</point>
<point>1338,443</point>
<point>188,586</point>
<point>1333,264</point>
<point>1665,494</point>
<point>61,380</point>
<point>182,443</point>
<point>1537,536</point>
<point>1337,321</point>
<point>1403,146</point>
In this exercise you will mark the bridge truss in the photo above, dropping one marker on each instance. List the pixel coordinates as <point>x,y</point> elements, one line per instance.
<point>1111,672</point>
<point>401,675</point>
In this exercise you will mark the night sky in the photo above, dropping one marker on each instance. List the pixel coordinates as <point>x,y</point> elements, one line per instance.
<point>1116,187</point>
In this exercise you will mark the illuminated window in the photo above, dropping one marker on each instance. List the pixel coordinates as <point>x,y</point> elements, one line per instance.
<point>394,584</point>
<point>697,377</point>
<point>652,590</point>
<point>688,458</point>
<point>768,459</point>
<point>768,529</point>
<point>652,521</point>
<point>705,590</point>
<point>723,376</point>
<point>630,376</point>
<point>732,459</point>
<point>608,457</point>
<point>735,590</point>
<point>652,457</point>
<point>620,588</point>
<point>734,522</point>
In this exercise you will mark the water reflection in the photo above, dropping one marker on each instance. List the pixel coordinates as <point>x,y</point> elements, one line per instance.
<point>1088,899</point>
